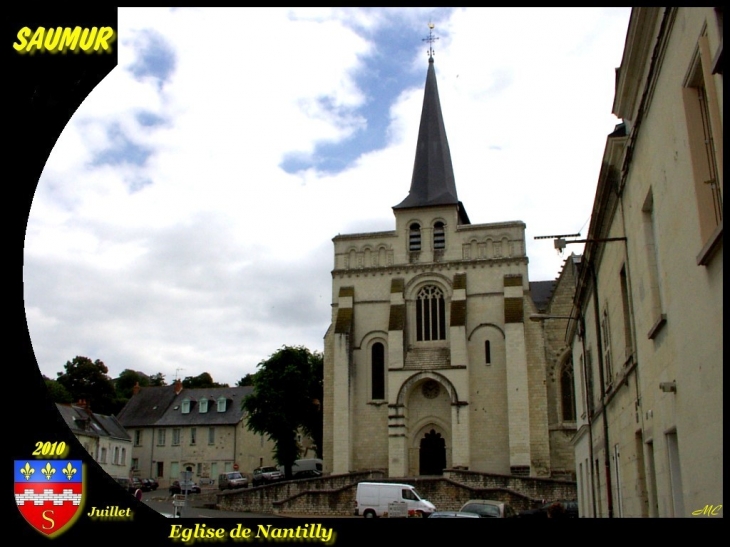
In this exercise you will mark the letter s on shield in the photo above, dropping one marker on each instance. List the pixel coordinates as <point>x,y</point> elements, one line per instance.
<point>49,493</point>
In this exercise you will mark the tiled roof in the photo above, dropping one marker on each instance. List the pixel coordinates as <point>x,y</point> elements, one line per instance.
<point>161,406</point>
<point>82,421</point>
<point>541,292</point>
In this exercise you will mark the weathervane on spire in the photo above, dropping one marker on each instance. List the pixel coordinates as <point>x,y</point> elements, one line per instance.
<point>431,39</point>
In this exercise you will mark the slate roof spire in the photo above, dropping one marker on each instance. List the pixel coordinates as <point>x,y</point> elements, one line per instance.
<point>433,174</point>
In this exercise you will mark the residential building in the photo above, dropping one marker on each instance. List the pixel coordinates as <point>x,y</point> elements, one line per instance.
<point>429,362</point>
<point>202,430</point>
<point>103,437</point>
<point>647,336</point>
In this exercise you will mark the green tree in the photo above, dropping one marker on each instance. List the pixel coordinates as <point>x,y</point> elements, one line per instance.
<point>245,381</point>
<point>128,378</point>
<point>202,380</point>
<point>157,380</point>
<point>57,392</point>
<point>286,397</point>
<point>86,379</point>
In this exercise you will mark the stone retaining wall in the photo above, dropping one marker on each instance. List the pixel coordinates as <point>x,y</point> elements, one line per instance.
<point>334,495</point>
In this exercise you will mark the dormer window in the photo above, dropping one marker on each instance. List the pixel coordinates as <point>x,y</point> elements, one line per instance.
<point>439,237</point>
<point>414,237</point>
<point>186,406</point>
<point>203,405</point>
<point>221,404</point>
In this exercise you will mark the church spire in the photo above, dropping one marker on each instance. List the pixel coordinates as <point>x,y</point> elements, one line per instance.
<point>433,175</point>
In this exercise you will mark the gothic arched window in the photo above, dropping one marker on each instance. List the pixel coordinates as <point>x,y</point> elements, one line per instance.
<point>430,314</point>
<point>377,358</point>
<point>566,391</point>
<point>414,237</point>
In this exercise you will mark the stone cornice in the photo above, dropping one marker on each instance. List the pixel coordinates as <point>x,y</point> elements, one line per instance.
<point>397,269</point>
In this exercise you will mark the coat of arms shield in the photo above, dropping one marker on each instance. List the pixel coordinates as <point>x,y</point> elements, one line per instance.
<point>49,493</point>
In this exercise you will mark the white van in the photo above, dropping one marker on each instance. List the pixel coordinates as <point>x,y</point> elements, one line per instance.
<point>373,498</point>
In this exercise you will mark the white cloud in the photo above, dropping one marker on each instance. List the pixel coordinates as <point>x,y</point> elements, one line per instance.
<point>206,255</point>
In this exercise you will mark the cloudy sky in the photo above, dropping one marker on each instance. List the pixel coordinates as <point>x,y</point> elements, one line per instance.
<point>184,219</point>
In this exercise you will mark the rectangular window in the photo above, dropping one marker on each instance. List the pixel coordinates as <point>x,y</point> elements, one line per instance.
<point>102,457</point>
<point>135,464</point>
<point>651,254</point>
<point>607,365</point>
<point>626,309</point>
<point>193,435</point>
<point>124,457</point>
<point>211,435</point>
<point>137,437</point>
<point>704,128</point>
<point>589,382</point>
<point>199,469</point>
<point>161,437</point>
<point>176,437</point>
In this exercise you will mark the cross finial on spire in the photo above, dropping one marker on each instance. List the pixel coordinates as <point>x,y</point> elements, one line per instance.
<point>431,39</point>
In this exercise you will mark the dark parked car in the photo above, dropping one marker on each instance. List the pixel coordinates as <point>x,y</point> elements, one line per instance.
<point>151,483</point>
<point>132,485</point>
<point>175,488</point>
<point>489,509</point>
<point>125,483</point>
<point>139,484</point>
<point>266,475</point>
<point>452,515</point>
<point>553,509</point>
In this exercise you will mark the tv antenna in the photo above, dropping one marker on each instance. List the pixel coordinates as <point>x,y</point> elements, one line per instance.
<point>560,241</point>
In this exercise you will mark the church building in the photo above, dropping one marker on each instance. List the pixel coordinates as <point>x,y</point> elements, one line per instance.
<point>431,362</point>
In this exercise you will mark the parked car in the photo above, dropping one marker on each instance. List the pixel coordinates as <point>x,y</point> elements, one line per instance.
<point>151,483</point>
<point>489,509</point>
<point>139,484</point>
<point>452,514</point>
<point>125,483</point>
<point>266,475</point>
<point>176,489</point>
<point>232,479</point>
<point>553,509</point>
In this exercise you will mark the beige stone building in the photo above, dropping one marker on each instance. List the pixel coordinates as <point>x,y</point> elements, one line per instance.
<point>204,429</point>
<point>648,330</point>
<point>429,360</point>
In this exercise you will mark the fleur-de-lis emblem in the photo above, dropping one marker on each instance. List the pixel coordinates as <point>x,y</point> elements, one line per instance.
<point>69,471</point>
<point>48,471</point>
<point>27,471</point>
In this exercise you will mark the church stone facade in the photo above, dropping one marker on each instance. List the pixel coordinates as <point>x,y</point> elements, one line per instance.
<point>431,362</point>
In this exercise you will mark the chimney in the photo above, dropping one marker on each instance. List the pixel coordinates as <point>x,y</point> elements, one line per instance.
<point>178,386</point>
<point>135,389</point>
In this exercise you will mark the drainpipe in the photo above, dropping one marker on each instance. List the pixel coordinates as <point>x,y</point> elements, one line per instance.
<point>589,412</point>
<point>599,349</point>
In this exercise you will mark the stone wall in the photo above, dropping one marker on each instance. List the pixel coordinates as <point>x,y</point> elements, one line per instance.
<point>334,495</point>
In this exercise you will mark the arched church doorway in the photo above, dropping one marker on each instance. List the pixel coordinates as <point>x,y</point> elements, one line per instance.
<point>432,454</point>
